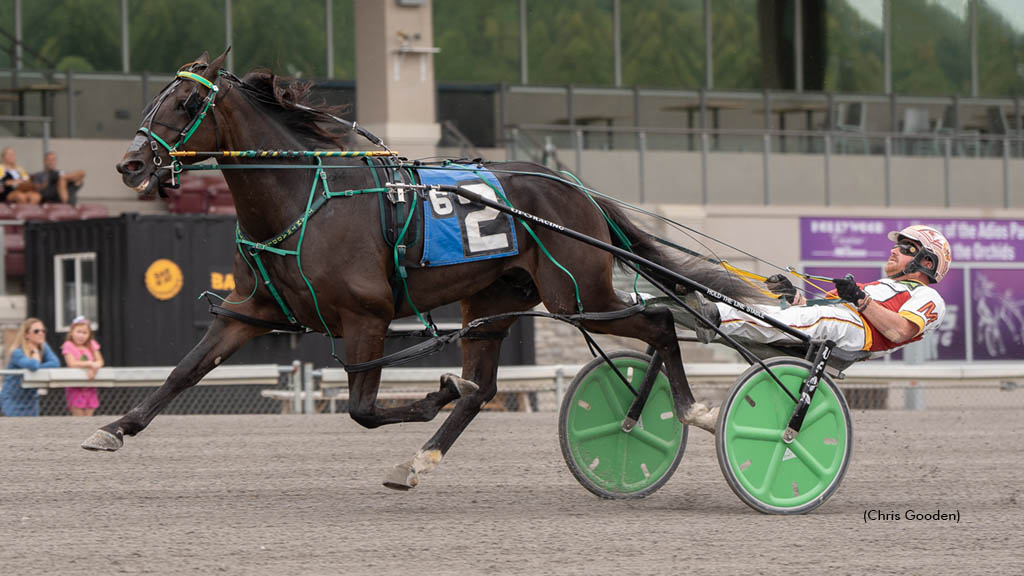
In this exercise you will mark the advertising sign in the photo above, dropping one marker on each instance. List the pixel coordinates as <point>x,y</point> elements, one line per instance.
<point>865,238</point>
<point>996,305</point>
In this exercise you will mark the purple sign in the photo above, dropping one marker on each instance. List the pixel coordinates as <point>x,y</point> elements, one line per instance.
<point>998,299</point>
<point>865,238</point>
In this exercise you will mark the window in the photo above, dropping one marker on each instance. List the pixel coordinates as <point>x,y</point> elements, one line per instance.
<point>74,277</point>
<point>570,42</point>
<point>736,45</point>
<point>289,38</point>
<point>663,43</point>
<point>84,36</point>
<point>1000,48</point>
<point>167,34</point>
<point>854,46</point>
<point>479,41</point>
<point>930,48</point>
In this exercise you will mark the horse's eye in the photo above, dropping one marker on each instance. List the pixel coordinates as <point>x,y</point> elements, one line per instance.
<point>190,105</point>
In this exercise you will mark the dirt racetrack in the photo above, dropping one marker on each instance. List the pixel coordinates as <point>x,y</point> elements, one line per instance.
<point>262,495</point>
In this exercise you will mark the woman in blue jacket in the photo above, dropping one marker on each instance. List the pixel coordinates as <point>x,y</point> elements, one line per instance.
<point>29,351</point>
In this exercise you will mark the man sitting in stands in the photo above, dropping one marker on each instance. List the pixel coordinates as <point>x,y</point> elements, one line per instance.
<point>17,186</point>
<point>56,185</point>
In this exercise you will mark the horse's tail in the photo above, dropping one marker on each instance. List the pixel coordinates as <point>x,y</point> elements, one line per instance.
<point>694,267</point>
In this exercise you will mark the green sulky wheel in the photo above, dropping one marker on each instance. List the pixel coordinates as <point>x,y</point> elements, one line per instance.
<point>604,459</point>
<point>769,475</point>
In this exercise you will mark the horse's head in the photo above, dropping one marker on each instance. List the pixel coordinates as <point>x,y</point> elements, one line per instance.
<point>173,119</point>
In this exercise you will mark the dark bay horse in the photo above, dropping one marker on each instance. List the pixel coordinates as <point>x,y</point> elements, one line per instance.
<point>350,268</point>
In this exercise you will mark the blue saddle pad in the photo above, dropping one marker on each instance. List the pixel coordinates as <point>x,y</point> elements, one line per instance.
<point>458,231</point>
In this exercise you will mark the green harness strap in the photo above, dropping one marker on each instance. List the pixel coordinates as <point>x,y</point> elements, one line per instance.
<point>256,249</point>
<point>612,226</point>
<point>529,230</point>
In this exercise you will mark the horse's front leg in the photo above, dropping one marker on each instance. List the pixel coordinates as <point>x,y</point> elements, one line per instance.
<point>364,386</point>
<point>480,354</point>
<point>222,338</point>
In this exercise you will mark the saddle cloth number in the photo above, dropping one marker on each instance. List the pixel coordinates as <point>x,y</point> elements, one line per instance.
<point>475,241</point>
<point>459,230</point>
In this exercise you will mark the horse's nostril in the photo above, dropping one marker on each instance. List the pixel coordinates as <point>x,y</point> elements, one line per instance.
<point>130,167</point>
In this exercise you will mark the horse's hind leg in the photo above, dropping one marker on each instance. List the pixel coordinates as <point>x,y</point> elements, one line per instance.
<point>222,338</point>
<point>480,352</point>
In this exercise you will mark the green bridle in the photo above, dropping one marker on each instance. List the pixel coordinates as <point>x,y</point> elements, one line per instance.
<point>187,132</point>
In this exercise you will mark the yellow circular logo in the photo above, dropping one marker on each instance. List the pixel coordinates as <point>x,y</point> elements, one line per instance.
<point>164,279</point>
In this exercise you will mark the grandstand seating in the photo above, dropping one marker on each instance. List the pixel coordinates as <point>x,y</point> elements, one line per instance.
<point>14,234</point>
<point>201,195</point>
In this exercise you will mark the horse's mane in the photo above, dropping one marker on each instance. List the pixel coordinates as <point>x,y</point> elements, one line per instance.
<point>288,101</point>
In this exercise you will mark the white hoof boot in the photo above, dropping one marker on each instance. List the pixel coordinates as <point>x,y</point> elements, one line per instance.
<point>406,476</point>
<point>462,386</point>
<point>702,417</point>
<point>402,477</point>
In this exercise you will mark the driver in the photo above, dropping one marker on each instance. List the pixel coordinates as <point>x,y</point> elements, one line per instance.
<point>877,317</point>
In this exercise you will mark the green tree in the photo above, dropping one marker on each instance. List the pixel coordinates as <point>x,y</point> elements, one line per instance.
<point>165,34</point>
<point>854,50</point>
<point>343,12</point>
<point>287,37</point>
<point>736,47</point>
<point>663,43</point>
<point>570,42</point>
<point>1000,55</point>
<point>930,50</point>
<point>88,30</point>
<point>479,41</point>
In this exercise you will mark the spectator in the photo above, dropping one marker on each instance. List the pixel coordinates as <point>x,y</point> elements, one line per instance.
<point>17,186</point>
<point>80,350</point>
<point>56,185</point>
<point>29,351</point>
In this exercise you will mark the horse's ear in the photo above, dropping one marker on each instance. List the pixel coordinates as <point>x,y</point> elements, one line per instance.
<point>204,58</point>
<point>211,71</point>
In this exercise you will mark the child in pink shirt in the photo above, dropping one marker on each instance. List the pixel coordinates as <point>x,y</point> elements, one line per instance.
<point>80,350</point>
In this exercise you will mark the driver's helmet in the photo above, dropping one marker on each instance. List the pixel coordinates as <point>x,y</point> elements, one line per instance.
<point>933,245</point>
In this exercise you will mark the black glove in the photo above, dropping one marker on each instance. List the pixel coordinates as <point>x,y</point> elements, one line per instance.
<point>848,290</point>
<point>779,284</point>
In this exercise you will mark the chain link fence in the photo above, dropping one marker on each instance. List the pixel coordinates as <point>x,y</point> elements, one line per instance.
<point>241,398</point>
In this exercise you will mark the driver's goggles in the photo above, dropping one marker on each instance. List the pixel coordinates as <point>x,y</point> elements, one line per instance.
<point>907,249</point>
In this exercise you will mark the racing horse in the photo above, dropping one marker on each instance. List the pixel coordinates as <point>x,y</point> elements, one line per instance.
<point>342,284</point>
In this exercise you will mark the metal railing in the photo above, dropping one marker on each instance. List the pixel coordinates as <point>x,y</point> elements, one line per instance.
<point>297,388</point>
<point>521,140</point>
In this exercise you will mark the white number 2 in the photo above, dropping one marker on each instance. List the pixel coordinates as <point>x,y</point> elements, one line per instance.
<point>477,241</point>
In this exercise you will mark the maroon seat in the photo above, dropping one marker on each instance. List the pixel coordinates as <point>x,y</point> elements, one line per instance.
<point>62,216</point>
<point>29,212</point>
<point>220,195</point>
<point>86,211</point>
<point>190,202</point>
<point>59,212</point>
<point>14,264</point>
<point>6,211</point>
<point>222,209</point>
<point>55,207</point>
<point>14,242</point>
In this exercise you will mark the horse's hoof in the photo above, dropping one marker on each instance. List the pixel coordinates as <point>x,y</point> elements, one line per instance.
<point>402,477</point>
<point>105,441</point>
<point>701,416</point>
<point>462,386</point>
